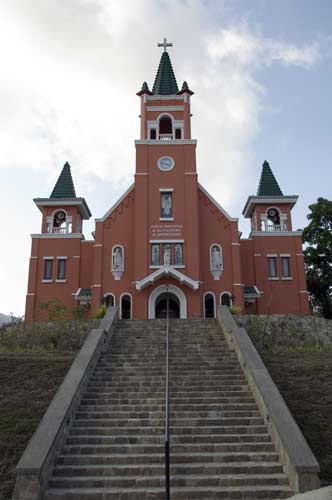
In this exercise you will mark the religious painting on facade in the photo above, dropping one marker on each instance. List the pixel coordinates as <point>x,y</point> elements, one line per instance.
<point>178,254</point>
<point>155,255</point>
<point>166,254</point>
<point>166,205</point>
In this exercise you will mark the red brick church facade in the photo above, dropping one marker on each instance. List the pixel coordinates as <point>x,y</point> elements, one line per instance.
<point>167,234</point>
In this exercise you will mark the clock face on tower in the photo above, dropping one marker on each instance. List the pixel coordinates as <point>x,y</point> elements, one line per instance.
<point>165,163</point>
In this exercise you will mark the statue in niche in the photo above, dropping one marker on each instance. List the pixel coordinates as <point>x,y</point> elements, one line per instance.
<point>117,259</point>
<point>215,262</point>
<point>117,263</point>
<point>216,258</point>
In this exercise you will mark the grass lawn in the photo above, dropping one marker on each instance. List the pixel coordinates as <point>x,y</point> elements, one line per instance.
<point>28,383</point>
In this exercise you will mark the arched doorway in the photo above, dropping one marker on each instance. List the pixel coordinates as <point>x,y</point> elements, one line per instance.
<point>175,293</point>
<point>226,299</point>
<point>209,305</point>
<point>125,306</point>
<point>161,306</point>
<point>109,300</point>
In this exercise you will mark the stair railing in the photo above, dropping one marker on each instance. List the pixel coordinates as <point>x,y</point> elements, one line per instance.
<point>167,478</point>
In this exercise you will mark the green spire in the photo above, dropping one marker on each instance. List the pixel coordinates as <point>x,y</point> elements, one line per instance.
<point>64,188</point>
<point>144,90</point>
<point>165,82</point>
<point>268,185</point>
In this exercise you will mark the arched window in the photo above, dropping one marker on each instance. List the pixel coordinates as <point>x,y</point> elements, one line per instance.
<point>125,306</point>
<point>117,261</point>
<point>226,299</point>
<point>109,299</point>
<point>273,218</point>
<point>216,263</point>
<point>165,127</point>
<point>209,305</point>
<point>60,222</point>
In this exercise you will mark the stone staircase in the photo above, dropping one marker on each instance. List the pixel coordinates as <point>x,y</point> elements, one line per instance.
<point>220,447</point>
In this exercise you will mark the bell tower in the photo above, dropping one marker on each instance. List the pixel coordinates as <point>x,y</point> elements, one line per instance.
<point>166,189</point>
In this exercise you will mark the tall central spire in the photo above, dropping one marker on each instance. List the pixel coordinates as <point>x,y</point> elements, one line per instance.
<point>165,81</point>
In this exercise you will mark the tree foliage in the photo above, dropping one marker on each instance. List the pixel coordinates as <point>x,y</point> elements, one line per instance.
<point>318,256</point>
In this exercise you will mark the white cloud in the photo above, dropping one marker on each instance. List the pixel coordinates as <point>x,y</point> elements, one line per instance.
<point>69,73</point>
<point>243,46</point>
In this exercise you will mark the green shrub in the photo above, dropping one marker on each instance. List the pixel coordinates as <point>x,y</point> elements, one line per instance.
<point>101,312</point>
<point>235,309</point>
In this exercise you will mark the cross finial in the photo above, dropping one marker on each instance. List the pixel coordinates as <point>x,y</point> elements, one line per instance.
<point>165,45</point>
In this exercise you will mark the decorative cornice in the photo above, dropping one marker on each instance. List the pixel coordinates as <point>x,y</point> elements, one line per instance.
<point>166,271</point>
<point>252,201</point>
<point>275,233</point>
<point>57,236</point>
<point>176,142</point>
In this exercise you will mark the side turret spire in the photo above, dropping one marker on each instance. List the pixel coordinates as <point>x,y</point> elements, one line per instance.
<point>268,185</point>
<point>64,187</point>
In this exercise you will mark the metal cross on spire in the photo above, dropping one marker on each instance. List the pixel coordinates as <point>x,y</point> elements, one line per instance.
<point>165,45</point>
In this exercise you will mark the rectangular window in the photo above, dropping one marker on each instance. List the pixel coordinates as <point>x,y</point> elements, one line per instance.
<point>285,267</point>
<point>153,134</point>
<point>155,254</point>
<point>61,269</point>
<point>166,254</point>
<point>48,263</point>
<point>272,267</point>
<point>166,205</point>
<point>177,133</point>
<point>178,254</point>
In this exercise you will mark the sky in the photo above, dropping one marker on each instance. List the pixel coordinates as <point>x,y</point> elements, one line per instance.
<point>69,73</point>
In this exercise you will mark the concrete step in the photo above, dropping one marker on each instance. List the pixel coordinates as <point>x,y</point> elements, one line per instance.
<point>175,431</point>
<point>129,448</point>
<point>175,422</point>
<point>152,413</point>
<point>160,407</point>
<point>82,473</point>
<point>204,439</point>
<point>178,493</point>
<point>177,458</point>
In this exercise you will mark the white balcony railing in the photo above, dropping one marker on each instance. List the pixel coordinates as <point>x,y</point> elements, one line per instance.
<point>275,228</point>
<point>60,230</point>
<point>165,137</point>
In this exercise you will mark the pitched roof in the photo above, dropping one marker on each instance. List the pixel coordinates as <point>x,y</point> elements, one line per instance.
<point>64,187</point>
<point>268,185</point>
<point>165,81</point>
<point>251,292</point>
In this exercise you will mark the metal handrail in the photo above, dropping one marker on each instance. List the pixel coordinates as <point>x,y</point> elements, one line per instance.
<point>167,476</point>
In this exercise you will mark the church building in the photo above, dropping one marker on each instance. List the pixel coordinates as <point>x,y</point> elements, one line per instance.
<point>166,234</point>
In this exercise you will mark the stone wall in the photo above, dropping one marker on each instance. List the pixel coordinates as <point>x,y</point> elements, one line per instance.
<point>288,330</point>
